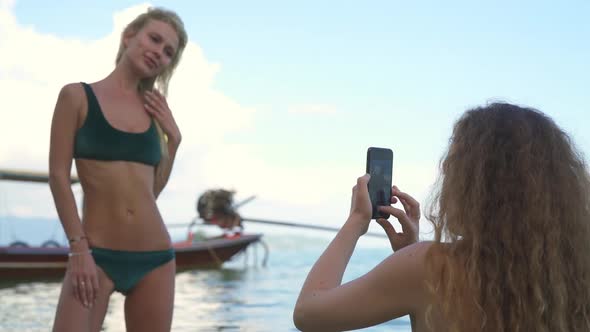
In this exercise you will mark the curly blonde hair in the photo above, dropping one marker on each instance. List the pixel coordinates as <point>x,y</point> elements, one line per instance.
<point>511,220</point>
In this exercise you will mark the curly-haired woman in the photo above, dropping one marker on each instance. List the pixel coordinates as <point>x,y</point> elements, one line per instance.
<point>511,250</point>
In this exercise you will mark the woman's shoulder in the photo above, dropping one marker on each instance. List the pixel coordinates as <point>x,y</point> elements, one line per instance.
<point>430,247</point>
<point>71,96</point>
<point>423,249</point>
<point>419,259</point>
<point>431,252</point>
<point>410,262</point>
<point>72,90</point>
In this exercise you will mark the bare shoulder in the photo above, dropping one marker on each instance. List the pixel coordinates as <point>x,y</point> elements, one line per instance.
<point>72,92</point>
<point>415,254</point>
<point>407,266</point>
<point>70,105</point>
<point>71,97</point>
<point>419,248</point>
<point>412,267</point>
<point>421,258</point>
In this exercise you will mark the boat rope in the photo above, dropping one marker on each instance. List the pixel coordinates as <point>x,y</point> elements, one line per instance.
<point>266,252</point>
<point>246,255</point>
<point>3,211</point>
<point>218,261</point>
<point>255,248</point>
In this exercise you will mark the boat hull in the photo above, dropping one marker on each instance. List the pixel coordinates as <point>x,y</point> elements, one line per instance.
<point>47,263</point>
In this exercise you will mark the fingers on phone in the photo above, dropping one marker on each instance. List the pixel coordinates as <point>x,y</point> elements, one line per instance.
<point>405,196</point>
<point>406,199</point>
<point>387,226</point>
<point>397,213</point>
<point>363,180</point>
<point>406,206</point>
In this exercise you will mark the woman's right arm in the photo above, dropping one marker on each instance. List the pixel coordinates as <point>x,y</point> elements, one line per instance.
<point>395,287</point>
<point>61,150</point>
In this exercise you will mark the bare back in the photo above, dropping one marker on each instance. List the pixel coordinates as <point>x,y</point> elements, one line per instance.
<point>396,287</point>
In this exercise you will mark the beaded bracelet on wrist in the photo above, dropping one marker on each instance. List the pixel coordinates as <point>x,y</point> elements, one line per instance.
<point>75,239</point>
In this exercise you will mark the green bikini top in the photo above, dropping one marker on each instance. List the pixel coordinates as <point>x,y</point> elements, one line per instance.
<point>98,140</point>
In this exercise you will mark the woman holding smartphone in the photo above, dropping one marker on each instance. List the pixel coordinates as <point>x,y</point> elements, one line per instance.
<point>511,249</point>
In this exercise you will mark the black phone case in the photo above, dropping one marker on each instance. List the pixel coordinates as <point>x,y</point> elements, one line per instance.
<point>380,154</point>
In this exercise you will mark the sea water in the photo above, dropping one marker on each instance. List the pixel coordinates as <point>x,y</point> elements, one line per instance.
<point>243,295</point>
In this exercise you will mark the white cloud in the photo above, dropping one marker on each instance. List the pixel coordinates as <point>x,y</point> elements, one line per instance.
<point>6,4</point>
<point>312,109</point>
<point>35,65</point>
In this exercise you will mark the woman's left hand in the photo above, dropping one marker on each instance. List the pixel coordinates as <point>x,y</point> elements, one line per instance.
<point>157,106</point>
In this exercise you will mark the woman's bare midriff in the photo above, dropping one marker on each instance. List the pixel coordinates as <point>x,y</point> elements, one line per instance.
<point>119,209</point>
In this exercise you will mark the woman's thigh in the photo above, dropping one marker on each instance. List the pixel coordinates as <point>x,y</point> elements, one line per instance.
<point>150,304</point>
<point>71,315</point>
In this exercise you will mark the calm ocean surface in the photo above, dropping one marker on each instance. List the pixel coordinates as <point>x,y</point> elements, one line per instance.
<point>241,296</point>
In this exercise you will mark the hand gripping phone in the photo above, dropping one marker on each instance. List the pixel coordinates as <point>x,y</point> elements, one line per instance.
<point>380,167</point>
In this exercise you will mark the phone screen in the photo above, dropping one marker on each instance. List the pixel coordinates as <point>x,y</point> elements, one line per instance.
<point>379,166</point>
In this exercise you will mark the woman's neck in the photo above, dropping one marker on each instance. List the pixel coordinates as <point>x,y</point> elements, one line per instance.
<point>124,79</point>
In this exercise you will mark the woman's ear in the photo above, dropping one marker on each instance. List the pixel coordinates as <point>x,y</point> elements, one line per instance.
<point>127,35</point>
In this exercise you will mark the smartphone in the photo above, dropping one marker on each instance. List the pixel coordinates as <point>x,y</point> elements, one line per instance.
<point>380,167</point>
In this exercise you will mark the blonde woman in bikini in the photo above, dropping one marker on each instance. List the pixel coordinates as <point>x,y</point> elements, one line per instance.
<point>123,138</point>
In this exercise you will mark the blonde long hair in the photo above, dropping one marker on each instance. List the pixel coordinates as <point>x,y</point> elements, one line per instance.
<point>161,81</point>
<point>511,215</point>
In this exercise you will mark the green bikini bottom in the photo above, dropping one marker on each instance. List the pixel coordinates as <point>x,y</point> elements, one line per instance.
<point>127,268</point>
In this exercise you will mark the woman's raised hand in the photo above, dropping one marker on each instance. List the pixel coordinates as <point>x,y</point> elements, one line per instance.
<point>157,106</point>
<point>409,218</point>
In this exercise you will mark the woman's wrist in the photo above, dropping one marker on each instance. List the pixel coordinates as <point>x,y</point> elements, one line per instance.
<point>77,238</point>
<point>355,224</point>
<point>80,253</point>
<point>80,245</point>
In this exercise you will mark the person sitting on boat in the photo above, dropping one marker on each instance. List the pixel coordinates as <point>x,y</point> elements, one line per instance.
<point>124,139</point>
<point>216,207</point>
<point>511,242</point>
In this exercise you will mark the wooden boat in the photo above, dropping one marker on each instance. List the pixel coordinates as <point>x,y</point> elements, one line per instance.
<point>19,262</point>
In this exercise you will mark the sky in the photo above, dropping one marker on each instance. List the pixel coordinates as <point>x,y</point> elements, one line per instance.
<point>281,99</point>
